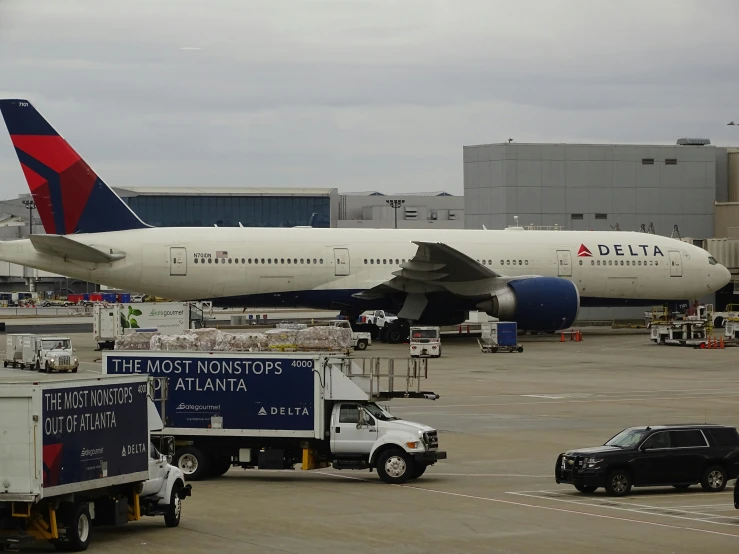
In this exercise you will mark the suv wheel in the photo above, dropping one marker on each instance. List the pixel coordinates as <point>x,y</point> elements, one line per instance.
<point>586,489</point>
<point>618,483</point>
<point>714,479</point>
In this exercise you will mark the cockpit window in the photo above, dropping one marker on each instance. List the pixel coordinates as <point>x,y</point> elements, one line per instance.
<point>712,260</point>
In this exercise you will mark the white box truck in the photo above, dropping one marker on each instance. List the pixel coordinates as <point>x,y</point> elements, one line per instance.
<point>78,452</point>
<point>275,410</point>
<point>109,322</point>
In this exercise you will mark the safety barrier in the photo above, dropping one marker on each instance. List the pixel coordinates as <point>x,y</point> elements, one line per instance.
<point>575,335</point>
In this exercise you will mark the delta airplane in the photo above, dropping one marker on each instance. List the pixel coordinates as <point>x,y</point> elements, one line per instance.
<point>537,278</point>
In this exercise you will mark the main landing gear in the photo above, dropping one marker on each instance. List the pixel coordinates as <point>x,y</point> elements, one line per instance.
<point>396,332</point>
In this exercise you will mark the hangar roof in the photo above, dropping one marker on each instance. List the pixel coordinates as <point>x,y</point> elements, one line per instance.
<point>224,191</point>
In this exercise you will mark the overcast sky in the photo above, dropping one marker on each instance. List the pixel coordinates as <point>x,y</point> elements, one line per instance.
<point>359,95</point>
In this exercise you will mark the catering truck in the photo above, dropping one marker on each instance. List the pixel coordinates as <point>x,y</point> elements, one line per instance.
<point>277,410</point>
<point>75,453</point>
<point>109,322</point>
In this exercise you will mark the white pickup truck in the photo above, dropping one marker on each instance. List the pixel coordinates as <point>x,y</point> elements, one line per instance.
<point>360,341</point>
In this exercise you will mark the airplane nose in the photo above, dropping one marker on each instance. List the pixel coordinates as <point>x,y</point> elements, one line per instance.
<point>725,276</point>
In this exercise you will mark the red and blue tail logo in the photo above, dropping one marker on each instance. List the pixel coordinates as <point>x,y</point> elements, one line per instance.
<point>69,196</point>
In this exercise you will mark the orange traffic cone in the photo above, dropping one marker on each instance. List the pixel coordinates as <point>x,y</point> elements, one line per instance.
<point>722,342</point>
<point>562,337</point>
<point>579,336</point>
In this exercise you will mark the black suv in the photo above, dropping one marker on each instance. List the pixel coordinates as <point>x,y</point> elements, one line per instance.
<point>677,455</point>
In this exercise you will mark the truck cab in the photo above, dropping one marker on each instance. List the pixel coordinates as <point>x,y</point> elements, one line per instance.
<point>163,492</point>
<point>425,342</point>
<point>48,354</point>
<point>360,341</point>
<point>365,435</point>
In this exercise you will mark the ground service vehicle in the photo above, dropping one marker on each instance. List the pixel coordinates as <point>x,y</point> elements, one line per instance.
<point>379,323</point>
<point>42,353</point>
<point>75,452</point>
<point>360,341</point>
<point>499,336</point>
<point>167,318</point>
<point>275,410</point>
<point>425,342</point>
<point>676,455</point>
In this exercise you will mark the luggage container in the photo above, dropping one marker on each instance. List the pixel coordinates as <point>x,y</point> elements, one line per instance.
<point>500,336</point>
<point>14,349</point>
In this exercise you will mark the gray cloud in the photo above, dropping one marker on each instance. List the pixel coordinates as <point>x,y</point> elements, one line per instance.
<point>359,94</point>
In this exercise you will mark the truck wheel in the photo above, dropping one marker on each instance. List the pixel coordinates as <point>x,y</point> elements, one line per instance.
<point>394,466</point>
<point>618,483</point>
<point>5,363</point>
<point>79,530</point>
<point>361,345</point>
<point>38,366</point>
<point>714,479</point>
<point>74,370</point>
<point>46,368</point>
<point>174,511</point>
<point>192,462</point>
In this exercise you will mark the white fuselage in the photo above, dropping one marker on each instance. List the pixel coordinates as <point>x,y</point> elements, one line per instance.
<point>263,263</point>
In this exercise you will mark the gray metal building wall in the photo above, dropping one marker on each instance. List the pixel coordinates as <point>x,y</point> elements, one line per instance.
<point>605,185</point>
<point>545,184</point>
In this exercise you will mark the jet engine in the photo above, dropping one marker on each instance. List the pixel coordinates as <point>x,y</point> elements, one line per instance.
<point>535,304</point>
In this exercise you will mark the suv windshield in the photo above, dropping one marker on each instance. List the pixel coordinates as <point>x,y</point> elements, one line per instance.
<point>425,334</point>
<point>54,343</point>
<point>628,438</point>
<point>379,413</point>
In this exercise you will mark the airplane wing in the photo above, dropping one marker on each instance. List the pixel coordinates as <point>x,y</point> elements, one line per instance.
<point>434,268</point>
<point>57,245</point>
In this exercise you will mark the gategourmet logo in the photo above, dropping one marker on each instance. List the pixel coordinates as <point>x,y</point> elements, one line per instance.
<point>166,313</point>
<point>198,407</point>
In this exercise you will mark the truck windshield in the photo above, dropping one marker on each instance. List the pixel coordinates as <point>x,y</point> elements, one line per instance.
<point>54,343</point>
<point>425,334</point>
<point>379,413</point>
<point>629,438</point>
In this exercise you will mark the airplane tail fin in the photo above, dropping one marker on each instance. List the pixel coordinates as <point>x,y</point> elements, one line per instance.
<point>69,196</point>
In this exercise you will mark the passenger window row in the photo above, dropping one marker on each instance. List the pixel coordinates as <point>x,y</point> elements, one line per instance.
<point>262,261</point>
<point>623,262</point>
<point>383,261</point>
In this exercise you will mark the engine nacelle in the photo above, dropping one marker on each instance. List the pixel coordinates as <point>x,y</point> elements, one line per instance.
<point>536,304</point>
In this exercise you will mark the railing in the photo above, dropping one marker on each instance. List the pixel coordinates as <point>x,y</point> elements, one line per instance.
<point>385,374</point>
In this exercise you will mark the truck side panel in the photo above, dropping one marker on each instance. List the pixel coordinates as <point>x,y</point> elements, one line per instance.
<point>92,433</point>
<point>228,391</point>
<point>18,435</point>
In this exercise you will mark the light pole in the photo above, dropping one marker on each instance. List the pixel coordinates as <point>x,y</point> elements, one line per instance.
<point>30,205</point>
<point>395,205</point>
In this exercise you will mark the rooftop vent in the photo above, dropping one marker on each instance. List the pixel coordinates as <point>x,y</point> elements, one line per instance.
<point>693,141</point>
